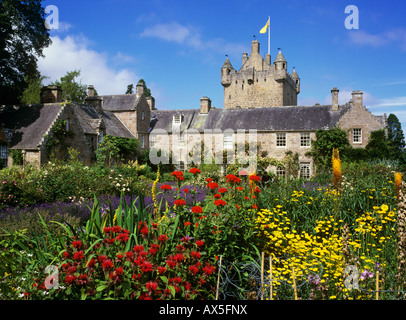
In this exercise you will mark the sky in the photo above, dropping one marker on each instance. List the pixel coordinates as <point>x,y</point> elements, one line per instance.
<point>179,47</point>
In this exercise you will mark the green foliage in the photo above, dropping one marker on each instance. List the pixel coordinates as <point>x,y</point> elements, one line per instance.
<point>130,89</point>
<point>23,36</point>
<point>396,138</point>
<point>17,156</point>
<point>32,94</point>
<point>56,142</point>
<point>114,150</point>
<point>147,91</point>
<point>326,141</point>
<point>72,90</point>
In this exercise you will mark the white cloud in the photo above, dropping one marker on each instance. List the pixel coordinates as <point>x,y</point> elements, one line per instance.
<point>393,36</point>
<point>391,102</point>
<point>190,37</point>
<point>73,53</point>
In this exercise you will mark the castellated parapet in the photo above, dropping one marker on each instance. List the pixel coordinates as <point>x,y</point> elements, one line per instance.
<point>259,83</point>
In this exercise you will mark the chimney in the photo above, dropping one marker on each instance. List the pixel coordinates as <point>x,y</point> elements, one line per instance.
<point>205,105</point>
<point>95,101</point>
<point>139,89</point>
<point>90,91</point>
<point>357,99</point>
<point>244,58</point>
<point>334,94</point>
<point>51,94</point>
<point>268,59</point>
<point>151,103</point>
<point>255,47</point>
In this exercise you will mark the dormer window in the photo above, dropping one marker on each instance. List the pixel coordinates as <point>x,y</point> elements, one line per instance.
<point>177,119</point>
<point>101,135</point>
<point>143,115</point>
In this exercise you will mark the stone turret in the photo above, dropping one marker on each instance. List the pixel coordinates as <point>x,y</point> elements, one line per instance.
<point>226,71</point>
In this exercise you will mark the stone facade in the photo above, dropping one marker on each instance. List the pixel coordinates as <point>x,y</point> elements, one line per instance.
<point>259,83</point>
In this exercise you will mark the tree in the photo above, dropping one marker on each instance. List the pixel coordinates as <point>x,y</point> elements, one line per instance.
<point>147,92</point>
<point>23,36</point>
<point>72,90</point>
<point>379,146</point>
<point>130,89</point>
<point>326,141</point>
<point>32,94</point>
<point>396,137</point>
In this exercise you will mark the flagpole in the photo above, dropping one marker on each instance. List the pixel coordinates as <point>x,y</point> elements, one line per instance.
<point>269,35</point>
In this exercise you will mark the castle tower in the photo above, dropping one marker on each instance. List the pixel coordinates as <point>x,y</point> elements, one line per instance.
<point>259,83</point>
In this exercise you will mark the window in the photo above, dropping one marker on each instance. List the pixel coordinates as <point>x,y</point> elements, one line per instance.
<point>67,124</point>
<point>177,119</point>
<point>305,170</point>
<point>228,141</point>
<point>181,141</point>
<point>101,136</point>
<point>142,140</point>
<point>280,172</point>
<point>3,156</point>
<point>152,140</point>
<point>143,115</point>
<point>181,166</point>
<point>281,139</point>
<point>357,135</point>
<point>305,139</point>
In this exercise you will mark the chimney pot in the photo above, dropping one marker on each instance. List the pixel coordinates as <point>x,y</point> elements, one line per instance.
<point>90,91</point>
<point>334,94</point>
<point>205,105</point>
<point>51,94</point>
<point>357,98</point>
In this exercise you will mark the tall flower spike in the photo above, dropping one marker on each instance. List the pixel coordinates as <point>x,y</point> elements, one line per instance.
<point>336,168</point>
<point>398,181</point>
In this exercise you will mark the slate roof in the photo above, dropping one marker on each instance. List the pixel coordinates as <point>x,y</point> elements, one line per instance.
<point>121,102</point>
<point>302,118</point>
<point>28,123</point>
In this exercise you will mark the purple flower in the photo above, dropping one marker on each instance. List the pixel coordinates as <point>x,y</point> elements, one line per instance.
<point>366,274</point>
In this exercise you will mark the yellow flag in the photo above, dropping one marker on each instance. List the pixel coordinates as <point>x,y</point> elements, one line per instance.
<point>264,29</point>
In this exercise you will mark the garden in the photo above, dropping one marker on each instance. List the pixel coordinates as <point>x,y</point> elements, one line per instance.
<point>71,232</point>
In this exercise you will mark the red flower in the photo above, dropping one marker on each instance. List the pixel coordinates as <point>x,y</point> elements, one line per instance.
<point>220,203</point>
<point>163,238</point>
<point>232,178</point>
<point>209,269</point>
<point>193,269</point>
<point>255,206</point>
<point>200,243</point>
<point>240,188</point>
<point>194,171</point>
<point>107,229</point>
<point>209,180</point>
<point>178,175</point>
<point>212,185</point>
<point>91,263</point>
<point>166,187</point>
<point>197,209</point>
<point>151,285</point>
<point>153,249</point>
<point>195,254</point>
<point>138,248</point>
<point>116,229</point>
<point>217,196</point>
<point>187,223</point>
<point>178,257</point>
<point>161,270</point>
<point>257,190</point>
<point>237,206</point>
<point>70,278</point>
<point>185,190</point>
<point>77,244</point>
<point>119,271</point>
<point>122,237</point>
<point>180,202</point>
<point>107,264</point>
<point>222,190</point>
<point>78,255</point>
<point>66,255</point>
<point>147,266</point>
<point>254,177</point>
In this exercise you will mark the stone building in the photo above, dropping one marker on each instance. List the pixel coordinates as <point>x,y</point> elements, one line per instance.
<point>28,128</point>
<point>261,96</point>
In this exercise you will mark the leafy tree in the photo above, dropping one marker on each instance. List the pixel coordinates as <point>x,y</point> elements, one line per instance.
<point>147,92</point>
<point>326,141</point>
<point>32,93</point>
<point>379,146</point>
<point>23,36</point>
<point>396,137</point>
<point>72,90</point>
<point>115,149</point>
<point>130,89</point>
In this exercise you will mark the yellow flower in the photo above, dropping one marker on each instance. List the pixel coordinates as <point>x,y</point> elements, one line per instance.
<point>384,207</point>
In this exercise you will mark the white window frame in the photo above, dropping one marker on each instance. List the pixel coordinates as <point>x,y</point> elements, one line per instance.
<point>228,141</point>
<point>152,140</point>
<point>101,136</point>
<point>281,140</point>
<point>305,140</point>
<point>357,137</point>
<point>177,119</point>
<point>142,140</point>
<point>305,170</point>
<point>280,172</point>
<point>181,140</point>
<point>142,115</point>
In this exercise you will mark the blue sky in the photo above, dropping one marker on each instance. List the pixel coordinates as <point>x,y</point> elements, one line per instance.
<point>178,47</point>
